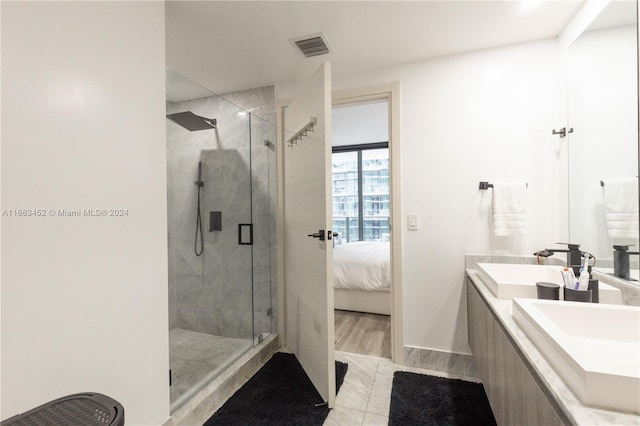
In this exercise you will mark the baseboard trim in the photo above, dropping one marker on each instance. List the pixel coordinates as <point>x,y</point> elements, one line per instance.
<point>440,361</point>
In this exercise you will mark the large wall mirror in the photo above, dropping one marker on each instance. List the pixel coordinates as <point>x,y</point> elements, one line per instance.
<point>603,111</point>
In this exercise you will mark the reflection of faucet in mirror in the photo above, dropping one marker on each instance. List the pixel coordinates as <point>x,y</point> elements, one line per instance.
<point>621,262</point>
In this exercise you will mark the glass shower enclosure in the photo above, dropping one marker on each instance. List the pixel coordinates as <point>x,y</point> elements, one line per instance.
<point>221,231</point>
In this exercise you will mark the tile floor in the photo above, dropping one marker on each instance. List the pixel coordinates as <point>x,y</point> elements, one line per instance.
<point>365,395</point>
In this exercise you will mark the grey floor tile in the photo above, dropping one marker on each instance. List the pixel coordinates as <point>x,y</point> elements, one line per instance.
<point>371,419</point>
<point>373,377</point>
<point>342,416</point>
<point>358,383</point>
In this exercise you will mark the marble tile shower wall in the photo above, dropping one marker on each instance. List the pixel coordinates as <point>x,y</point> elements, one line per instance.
<point>213,293</point>
<point>223,307</point>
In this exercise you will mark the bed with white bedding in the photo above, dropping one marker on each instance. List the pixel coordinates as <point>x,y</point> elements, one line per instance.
<point>362,277</point>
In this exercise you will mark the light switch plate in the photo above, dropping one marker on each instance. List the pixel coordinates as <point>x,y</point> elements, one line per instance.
<point>412,221</point>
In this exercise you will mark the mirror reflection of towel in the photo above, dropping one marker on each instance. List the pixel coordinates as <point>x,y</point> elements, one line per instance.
<point>508,208</point>
<point>621,207</point>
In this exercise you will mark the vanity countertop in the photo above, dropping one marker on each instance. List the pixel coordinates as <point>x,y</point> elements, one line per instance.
<point>556,388</point>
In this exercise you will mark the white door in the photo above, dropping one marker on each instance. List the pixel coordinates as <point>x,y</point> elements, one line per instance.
<point>308,259</point>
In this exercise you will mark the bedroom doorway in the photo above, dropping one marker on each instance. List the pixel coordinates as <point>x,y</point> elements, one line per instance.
<point>362,207</point>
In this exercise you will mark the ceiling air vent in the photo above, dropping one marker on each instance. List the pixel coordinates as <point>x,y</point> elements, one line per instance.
<point>313,45</point>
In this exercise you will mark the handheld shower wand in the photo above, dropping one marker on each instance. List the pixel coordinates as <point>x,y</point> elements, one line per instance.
<point>200,184</point>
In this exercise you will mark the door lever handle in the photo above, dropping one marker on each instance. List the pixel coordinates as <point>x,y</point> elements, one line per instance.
<point>319,235</point>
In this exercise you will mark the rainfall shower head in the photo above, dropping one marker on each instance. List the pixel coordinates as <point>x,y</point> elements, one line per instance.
<point>191,121</point>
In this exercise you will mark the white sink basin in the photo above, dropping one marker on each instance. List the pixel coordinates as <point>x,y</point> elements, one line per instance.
<point>594,348</point>
<point>507,280</point>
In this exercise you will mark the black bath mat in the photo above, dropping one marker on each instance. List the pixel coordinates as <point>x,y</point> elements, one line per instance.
<point>280,393</point>
<point>417,399</point>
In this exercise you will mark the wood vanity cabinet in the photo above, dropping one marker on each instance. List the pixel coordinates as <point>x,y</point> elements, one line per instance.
<point>515,396</point>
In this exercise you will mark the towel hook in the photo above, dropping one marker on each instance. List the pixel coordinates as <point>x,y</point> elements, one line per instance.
<point>487,185</point>
<point>562,132</point>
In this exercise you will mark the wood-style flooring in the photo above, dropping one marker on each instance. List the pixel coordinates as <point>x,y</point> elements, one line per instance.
<point>363,333</point>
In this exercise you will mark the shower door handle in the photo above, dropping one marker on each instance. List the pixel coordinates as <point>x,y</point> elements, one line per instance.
<point>245,234</point>
<point>319,235</point>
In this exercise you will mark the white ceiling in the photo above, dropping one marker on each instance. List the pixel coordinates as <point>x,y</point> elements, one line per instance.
<point>615,14</point>
<point>235,45</point>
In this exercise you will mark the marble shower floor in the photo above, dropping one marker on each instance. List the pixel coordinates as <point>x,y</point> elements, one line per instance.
<point>365,395</point>
<point>194,358</point>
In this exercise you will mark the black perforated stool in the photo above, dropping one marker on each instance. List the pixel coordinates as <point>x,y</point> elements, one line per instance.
<point>80,409</point>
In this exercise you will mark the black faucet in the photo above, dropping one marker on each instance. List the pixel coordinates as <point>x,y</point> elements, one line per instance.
<point>621,262</point>
<point>574,255</point>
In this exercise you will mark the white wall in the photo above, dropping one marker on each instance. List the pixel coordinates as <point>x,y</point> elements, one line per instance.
<point>362,123</point>
<point>482,116</point>
<point>84,299</point>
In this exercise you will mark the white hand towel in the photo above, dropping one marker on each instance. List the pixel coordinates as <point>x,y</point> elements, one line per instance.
<point>621,207</point>
<point>509,208</point>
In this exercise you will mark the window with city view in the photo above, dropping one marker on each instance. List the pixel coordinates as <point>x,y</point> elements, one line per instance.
<point>361,193</point>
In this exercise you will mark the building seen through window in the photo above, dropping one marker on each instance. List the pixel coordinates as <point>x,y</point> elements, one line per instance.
<point>361,194</point>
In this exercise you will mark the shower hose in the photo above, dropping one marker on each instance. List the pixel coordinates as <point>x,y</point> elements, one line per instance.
<point>199,183</point>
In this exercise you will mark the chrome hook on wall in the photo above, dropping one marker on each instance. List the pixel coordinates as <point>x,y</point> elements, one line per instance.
<point>293,140</point>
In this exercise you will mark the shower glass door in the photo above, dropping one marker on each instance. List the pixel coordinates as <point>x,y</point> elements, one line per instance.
<point>221,229</point>
<point>263,200</point>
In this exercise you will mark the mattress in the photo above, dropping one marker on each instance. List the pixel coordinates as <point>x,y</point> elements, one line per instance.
<point>362,265</point>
